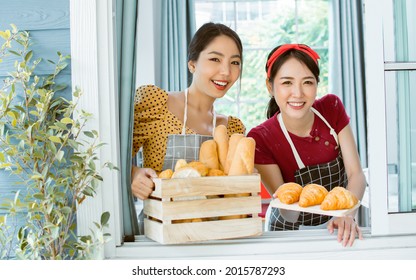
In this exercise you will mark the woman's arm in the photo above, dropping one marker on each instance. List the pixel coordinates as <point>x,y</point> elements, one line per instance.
<point>355,174</point>
<point>348,228</point>
<point>270,176</point>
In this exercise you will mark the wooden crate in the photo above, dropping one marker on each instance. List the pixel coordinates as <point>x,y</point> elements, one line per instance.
<point>175,202</point>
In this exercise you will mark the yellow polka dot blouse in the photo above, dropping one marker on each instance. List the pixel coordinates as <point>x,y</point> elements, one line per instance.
<point>153,122</point>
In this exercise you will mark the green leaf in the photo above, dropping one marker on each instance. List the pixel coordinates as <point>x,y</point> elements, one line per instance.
<point>60,87</point>
<point>34,113</point>
<point>28,56</point>
<point>67,121</point>
<point>2,157</point>
<point>36,177</point>
<point>60,155</point>
<point>104,218</point>
<point>55,139</point>
<point>89,134</point>
<point>14,52</point>
<point>5,34</point>
<point>66,210</point>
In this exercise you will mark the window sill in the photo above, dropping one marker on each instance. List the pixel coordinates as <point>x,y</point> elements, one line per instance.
<point>310,244</point>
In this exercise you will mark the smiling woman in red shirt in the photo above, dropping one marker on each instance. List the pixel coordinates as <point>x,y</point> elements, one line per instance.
<point>305,140</point>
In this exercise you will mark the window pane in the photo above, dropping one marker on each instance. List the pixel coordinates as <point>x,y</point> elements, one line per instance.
<point>400,32</point>
<point>401,139</point>
<point>262,25</point>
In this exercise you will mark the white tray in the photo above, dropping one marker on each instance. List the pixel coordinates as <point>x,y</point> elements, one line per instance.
<point>312,209</point>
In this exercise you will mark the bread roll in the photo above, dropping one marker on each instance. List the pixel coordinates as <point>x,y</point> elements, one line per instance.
<point>289,193</point>
<point>215,172</point>
<point>233,142</point>
<point>166,174</point>
<point>199,166</point>
<point>186,172</point>
<point>221,138</point>
<point>208,154</point>
<point>243,161</point>
<point>180,163</point>
<point>312,194</point>
<point>339,198</point>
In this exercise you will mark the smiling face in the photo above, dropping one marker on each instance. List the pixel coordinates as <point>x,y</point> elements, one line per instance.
<point>218,67</point>
<point>294,88</point>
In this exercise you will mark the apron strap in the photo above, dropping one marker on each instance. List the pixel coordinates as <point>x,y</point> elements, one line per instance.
<point>185,115</point>
<point>289,140</point>
<point>331,130</point>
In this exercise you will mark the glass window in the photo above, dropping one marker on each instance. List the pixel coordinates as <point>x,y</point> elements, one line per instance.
<point>400,29</point>
<point>390,87</point>
<point>400,57</point>
<point>401,133</point>
<point>262,25</point>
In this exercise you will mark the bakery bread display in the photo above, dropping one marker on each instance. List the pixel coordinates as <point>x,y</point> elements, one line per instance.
<point>243,160</point>
<point>339,198</point>
<point>208,154</point>
<point>239,158</point>
<point>289,193</point>
<point>312,194</point>
<point>234,139</point>
<point>221,138</point>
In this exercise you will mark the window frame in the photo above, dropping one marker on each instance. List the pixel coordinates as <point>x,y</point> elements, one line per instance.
<point>93,69</point>
<point>382,222</point>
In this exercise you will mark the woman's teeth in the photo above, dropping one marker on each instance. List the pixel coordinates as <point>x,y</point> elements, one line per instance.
<point>296,104</point>
<point>223,84</point>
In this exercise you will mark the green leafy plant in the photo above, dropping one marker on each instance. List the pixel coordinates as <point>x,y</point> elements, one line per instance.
<point>44,142</point>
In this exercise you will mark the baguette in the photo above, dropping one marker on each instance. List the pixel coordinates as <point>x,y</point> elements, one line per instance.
<point>221,138</point>
<point>208,154</point>
<point>234,139</point>
<point>243,161</point>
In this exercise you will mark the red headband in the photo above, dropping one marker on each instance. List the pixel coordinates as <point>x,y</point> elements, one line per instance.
<point>284,48</point>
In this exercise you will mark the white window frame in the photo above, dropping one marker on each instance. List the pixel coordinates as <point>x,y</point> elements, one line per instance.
<point>382,223</point>
<point>94,70</point>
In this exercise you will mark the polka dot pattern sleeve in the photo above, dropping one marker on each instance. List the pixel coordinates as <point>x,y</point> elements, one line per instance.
<point>150,107</point>
<point>235,125</point>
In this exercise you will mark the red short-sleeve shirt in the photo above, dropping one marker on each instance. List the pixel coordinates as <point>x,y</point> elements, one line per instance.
<point>320,147</point>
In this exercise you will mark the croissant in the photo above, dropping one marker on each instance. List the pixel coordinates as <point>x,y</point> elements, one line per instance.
<point>289,193</point>
<point>339,198</point>
<point>312,194</point>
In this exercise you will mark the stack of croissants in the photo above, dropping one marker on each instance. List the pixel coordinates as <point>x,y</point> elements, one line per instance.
<point>338,198</point>
<point>220,156</point>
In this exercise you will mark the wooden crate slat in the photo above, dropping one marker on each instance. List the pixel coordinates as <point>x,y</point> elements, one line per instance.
<point>203,208</point>
<point>202,231</point>
<point>206,186</point>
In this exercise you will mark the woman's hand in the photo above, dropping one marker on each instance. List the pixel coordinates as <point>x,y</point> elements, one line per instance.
<point>348,230</point>
<point>141,182</point>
